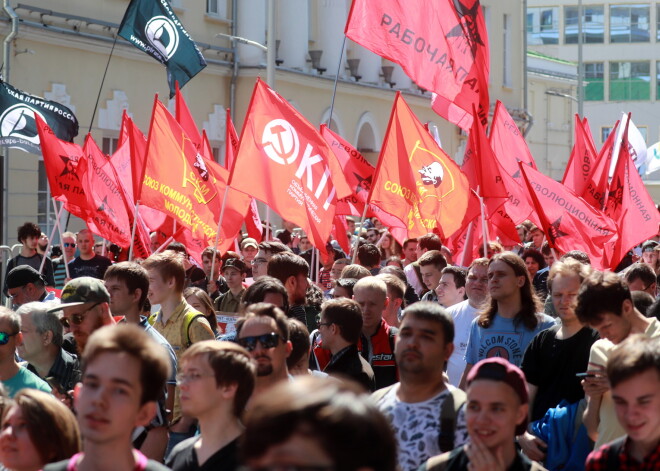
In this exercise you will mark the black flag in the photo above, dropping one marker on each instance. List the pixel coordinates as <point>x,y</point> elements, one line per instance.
<point>18,128</point>
<point>152,26</point>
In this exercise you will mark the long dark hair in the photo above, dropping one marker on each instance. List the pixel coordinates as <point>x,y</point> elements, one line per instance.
<point>530,303</point>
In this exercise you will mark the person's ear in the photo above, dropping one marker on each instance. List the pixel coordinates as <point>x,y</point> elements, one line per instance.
<point>228,391</point>
<point>521,281</point>
<point>397,302</point>
<point>146,413</point>
<point>461,290</point>
<point>19,338</point>
<point>289,348</point>
<point>76,394</point>
<point>449,349</point>
<point>47,337</point>
<point>290,283</point>
<point>387,301</point>
<point>137,294</point>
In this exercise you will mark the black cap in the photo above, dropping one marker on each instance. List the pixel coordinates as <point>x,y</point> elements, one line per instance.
<point>22,275</point>
<point>234,263</point>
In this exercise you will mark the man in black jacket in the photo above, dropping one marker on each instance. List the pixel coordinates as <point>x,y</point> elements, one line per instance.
<point>340,327</point>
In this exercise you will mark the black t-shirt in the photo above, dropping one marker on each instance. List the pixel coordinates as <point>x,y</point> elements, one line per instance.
<point>551,365</point>
<point>94,267</point>
<point>184,457</point>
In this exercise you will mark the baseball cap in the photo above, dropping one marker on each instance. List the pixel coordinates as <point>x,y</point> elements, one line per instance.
<point>234,263</point>
<point>83,290</point>
<point>22,275</point>
<point>499,369</point>
<point>249,242</point>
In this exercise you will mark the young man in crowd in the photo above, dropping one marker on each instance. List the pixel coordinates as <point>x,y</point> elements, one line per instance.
<point>216,381</point>
<point>249,250</point>
<point>41,347</point>
<point>423,409</point>
<point>424,244</point>
<point>25,285</point>
<point>264,332</point>
<point>431,264</point>
<point>28,236</point>
<point>377,339</point>
<point>409,251</point>
<point>505,327</point>
<point>123,374</point>
<point>292,270</point>
<point>177,321</point>
<point>266,251</point>
<point>463,313</point>
<point>633,371</point>
<point>369,257</point>
<point>605,304</point>
<point>339,327</point>
<point>495,412</point>
<point>13,376</point>
<point>641,277</point>
<point>215,284</point>
<point>556,355</point>
<point>233,272</point>
<point>396,290</point>
<point>451,287</point>
<point>87,263</point>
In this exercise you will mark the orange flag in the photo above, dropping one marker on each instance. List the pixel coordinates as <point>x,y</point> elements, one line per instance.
<point>283,161</point>
<point>415,180</point>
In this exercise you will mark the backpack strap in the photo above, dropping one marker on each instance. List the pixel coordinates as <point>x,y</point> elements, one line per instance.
<point>152,319</point>
<point>448,414</point>
<point>380,393</point>
<point>188,319</point>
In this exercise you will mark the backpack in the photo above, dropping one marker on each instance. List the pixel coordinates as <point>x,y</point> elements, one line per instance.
<point>448,413</point>
<point>188,319</point>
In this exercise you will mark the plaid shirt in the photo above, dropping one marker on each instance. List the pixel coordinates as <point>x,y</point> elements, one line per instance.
<point>603,458</point>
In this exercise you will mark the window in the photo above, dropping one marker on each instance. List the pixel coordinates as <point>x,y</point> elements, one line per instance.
<point>594,75</point>
<point>605,133</point>
<point>543,25</point>
<point>217,8</point>
<point>629,23</point>
<point>506,51</point>
<point>109,145</point>
<point>630,81</point>
<point>43,200</point>
<point>593,25</point>
<point>657,22</point>
<point>657,80</point>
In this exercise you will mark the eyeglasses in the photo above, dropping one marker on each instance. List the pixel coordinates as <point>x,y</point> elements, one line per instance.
<point>258,261</point>
<point>69,244</point>
<point>4,337</point>
<point>266,340</point>
<point>319,324</point>
<point>182,378</point>
<point>76,319</point>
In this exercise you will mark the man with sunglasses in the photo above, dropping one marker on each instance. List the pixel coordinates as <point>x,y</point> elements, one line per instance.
<point>264,332</point>
<point>13,376</point>
<point>85,308</point>
<point>68,254</point>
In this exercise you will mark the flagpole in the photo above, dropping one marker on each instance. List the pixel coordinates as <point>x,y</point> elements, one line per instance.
<point>217,234</point>
<point>165,244</point>
<point>357,238</point>
<point>50,241</point>
<point>483,222</point>
<point>334,89</point>
<point>59,229</point>
<point>468,239</point>
<point>130,250</point>
<point>98,98</point>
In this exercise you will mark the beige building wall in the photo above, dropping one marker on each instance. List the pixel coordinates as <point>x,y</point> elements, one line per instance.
<point>65,60</point>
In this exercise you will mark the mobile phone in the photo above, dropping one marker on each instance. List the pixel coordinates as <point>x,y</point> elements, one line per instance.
<point>585,375</point>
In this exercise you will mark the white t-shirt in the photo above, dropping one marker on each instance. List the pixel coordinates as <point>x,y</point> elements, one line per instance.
<point>416,426</point>
<point>463,314</point>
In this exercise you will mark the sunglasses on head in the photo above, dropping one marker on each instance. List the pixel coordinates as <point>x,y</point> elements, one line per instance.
<point>69,244</point>
<point>4,337</point>
<point>76,319</point>
<point>266,340</point>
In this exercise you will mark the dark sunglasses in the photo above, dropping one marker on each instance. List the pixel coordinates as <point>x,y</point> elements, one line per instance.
<point>4,337</point>
<point>69,244</point>
<point>266,340</point>
<point>76,319</point>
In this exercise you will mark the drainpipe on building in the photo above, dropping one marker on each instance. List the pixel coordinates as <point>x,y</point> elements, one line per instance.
<point>234,54</point>
<point>6,54</point>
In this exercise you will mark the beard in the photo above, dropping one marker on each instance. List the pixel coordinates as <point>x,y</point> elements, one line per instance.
<point>264,369</point>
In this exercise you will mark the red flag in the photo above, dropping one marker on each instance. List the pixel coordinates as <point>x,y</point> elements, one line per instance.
<point>442,46</point>
<point>340,233</point>
<point>185,119</point>
<point>481,166</point>
<point>284,162</point>
<point>598,183</point>
<point>629,204</point>
<point>109,213</point>
<point>359,175</point>
<point>568,221</point>
<point>65,169</point>
<point>253,222</point>
<point>583,159</point>
<point>415,180</point>
<point>188,188</point>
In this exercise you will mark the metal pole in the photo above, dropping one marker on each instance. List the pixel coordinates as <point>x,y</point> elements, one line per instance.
<point>270,42</point>
<point>525,26</point>
<point>580,85</point>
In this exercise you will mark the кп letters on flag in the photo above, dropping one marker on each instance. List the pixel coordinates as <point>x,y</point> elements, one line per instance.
<point>284,162</point>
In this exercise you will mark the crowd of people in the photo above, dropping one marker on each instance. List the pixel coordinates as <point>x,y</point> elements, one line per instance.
<point>271,357</point>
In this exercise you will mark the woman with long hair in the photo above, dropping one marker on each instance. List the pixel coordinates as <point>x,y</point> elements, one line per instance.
<point>389,247</point>
<point>201,301</point>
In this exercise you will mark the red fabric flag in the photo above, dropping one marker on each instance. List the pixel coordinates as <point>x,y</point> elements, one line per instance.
<point>568,221</point>
<point>415,180</point>
<point>109,213</point>
<point>65,169</point>
<point>340,233</point>
<point>481,166</point>
<point>253,222</point>
<point>359,175</point>
<point>185,119</point>
<point>598,183</point>
<point>283,161</point>
<point>629,204</point>
<point>187,187</point>
<point>442,46</point>
<point>583,159</point>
